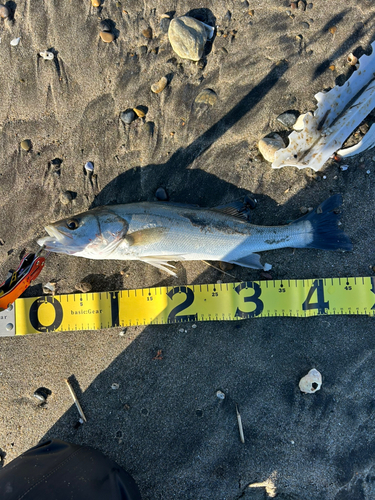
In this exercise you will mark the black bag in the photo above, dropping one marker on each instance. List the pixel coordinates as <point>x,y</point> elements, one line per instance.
<point>57,470</point>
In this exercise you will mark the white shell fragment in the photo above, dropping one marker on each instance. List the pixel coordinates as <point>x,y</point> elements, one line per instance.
<point>339,112</point>
<point>89,167</point>
<point>311,382</point>
<point>47,56</point>
<point>15,42</point>
<point>367,142</point>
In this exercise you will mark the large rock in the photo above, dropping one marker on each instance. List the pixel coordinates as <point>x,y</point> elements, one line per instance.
<point>188,37</point>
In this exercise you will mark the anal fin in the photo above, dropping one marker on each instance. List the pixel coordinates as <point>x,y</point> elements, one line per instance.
<point>252,260</point>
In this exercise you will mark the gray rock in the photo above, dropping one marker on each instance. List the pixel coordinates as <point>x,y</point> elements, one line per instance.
<point>105,26</point>
<point>142,50</point>
<point>128,116</point>
<point>164,24</point>
<point>269,145</point>
<point>188,37</point>
<point>288,119</point>
<point>66,198</point>
<point>161,194</point>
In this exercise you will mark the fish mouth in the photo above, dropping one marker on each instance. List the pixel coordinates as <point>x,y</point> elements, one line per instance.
<point>58,242</point>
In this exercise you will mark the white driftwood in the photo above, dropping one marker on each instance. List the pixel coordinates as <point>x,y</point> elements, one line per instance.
<point>338,113</point>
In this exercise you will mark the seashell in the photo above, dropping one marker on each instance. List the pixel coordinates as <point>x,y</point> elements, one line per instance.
<point>47,55</point>
<point>207,96</point>
<point>311,382</point>
<point>89,167</point>
<point>139,112</point>
<point>159,86</point>
<point>4,11</point>
<point>15,42</point>
<point>352,60</point>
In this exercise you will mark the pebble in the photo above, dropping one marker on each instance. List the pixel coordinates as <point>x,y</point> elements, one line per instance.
<point>269,145</point>
<point>288,119</point>
<point>188,37</point>
<point>228,17</point>
<point>220,394</point>
<point>142,50</point>
<point>115,386</point>
<point>26,145</point>
<point>89,167</point>
<point>105,26</point>
<point>147,33</point>
<point>294,5</point>
<point>128,116</point>
<point>207,96</point>
<point>47,55</point>
<point>106,36</point>
<point>56,162</point>
<point>139,112</point>
<point>83,287</point>
<point>15,42</point>
<point>149,128</point>
<point>310,5</point>
<point>159,86</point>
<point>352,60</point>
<point>305,25</point>
<point>226,266</point>
<point>41,395</point>
<point>344,167</point>
<point>66,198</point>
<point>164,24</point>
<point>95,3</point>
<point>161,194</point>
<point>4,11</point>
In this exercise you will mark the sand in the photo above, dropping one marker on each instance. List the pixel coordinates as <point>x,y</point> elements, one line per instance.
<point>165,424</point>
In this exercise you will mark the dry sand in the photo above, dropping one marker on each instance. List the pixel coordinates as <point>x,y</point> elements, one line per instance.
<point>165,424</point>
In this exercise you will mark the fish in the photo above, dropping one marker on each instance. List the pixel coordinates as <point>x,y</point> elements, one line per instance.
<point>158,233</point>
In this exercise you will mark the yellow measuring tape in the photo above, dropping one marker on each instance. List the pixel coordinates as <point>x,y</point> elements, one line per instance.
<point>191,303</point>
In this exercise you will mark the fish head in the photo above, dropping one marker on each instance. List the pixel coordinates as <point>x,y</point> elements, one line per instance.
<point>94,234</point>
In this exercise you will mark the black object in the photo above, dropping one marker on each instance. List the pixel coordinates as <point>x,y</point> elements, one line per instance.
<point>59,471</point>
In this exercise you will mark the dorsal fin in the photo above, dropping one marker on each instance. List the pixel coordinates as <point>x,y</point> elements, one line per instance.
<point>236,209</point>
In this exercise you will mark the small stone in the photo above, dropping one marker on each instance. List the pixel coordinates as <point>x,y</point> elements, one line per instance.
<point>294,5</point>
<point>49,288</point>
<point>161,194</point>
<point>226,266</point>
<point>311,382</point>
<point>42,394</point>
<point>310,5</point>
<point>207,96</point>
<point>159,86</point>
<point>128,116</point>
<point>105,25</point>
<point>106,36</point>
<point>288,118</point>
<point>332,30</point>
<point>66,198</point>
<point>89,167</point>
<point>83,287</point>
<point>26,145</point>
<point>228,17</point>
<point>344,167</point>
<point>352,60</point>
<point>4,11</point>
<point>95,3</point>
<point>142,50</point>
<point>220,395</point>
<point>302,5</point>
<point>303,210</point>
<point>139,112</point>
<point>147,33</point>
<point>47,55</point>
<point>305,25</point>
<point>269,145</point>
<point>188,37</point>
<point>164,24</point>
<point>115,386</point>
<point>332,67</point>
<point>15,42</point>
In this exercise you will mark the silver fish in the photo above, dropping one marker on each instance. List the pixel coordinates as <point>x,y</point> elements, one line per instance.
<point>156,233</point>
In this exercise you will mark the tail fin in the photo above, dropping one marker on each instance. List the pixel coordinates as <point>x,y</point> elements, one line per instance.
<point>326,233</point>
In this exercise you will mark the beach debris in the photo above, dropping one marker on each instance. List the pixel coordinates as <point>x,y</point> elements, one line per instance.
<point>207,96</point>
<point>311,382</point>
<point>220,395</point>
<point>288,118</point>
<point>95,3</point>
<point>106,36</point>
<point>269,145</point>
<point>4,11</point>
<point>161,194</point>
<point>128,116</point>
<point>159,86</point>
<point>368,142</point>
<point>239,422</point>
<point>15,41</point>
<point>42,394</point>
<point>147,33</point>
<point>49,288</point>
<point>83,287</point>
<point>75,399</point>
<point>268,484</point>
<point>339,112</point>
<point>139,112</point>
<point>26,145</point>
<point>352,60</point>
<point>115,386</point>
<point>66,197</point>
<point>188,37</point>
<point>47,55</point>
<point>89,167</point>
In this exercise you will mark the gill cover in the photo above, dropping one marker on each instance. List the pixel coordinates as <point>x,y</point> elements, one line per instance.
<point>111,229</point>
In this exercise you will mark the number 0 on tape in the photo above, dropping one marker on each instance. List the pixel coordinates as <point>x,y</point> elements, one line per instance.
<point>212,302</point>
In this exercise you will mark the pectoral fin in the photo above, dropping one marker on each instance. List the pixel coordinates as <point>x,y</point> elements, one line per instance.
<point>252,260</point>
<point>146,236</point>
<point>163,265</point>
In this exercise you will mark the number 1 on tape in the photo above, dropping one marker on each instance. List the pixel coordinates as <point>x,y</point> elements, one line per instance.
<point>212,302</point>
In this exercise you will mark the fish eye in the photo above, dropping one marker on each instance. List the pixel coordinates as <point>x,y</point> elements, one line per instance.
<point>72,224</point>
